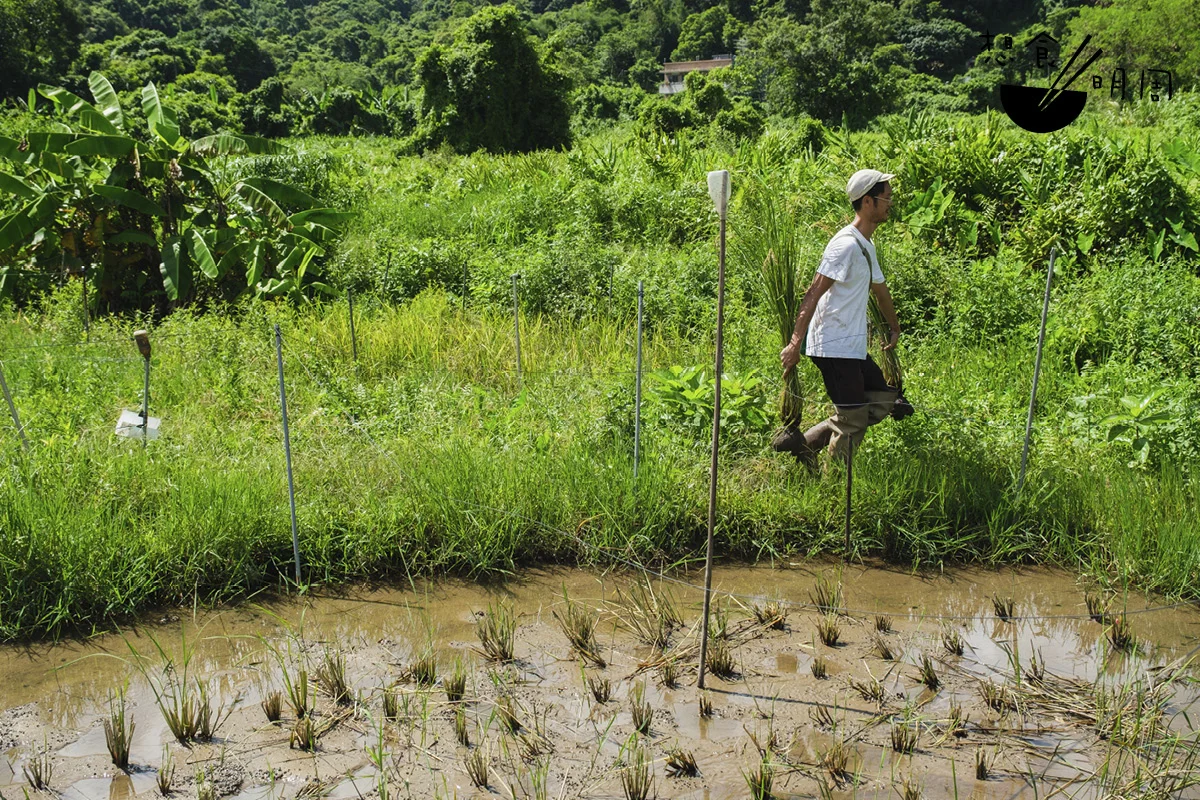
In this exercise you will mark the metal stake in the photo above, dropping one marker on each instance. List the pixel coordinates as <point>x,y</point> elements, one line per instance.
<point>1037,367</point>
<point>287,450</point>
<point>849,486</point>
<point>12,409</point>
<point>466,290</point>
<point>353,338</point>
<point>87,324</point>
<point>143,344</point>
<point>722,185</point>
<point>517,327</point>
<point>637,395</point>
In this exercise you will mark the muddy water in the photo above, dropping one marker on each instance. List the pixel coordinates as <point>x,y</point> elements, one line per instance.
<point>54,697</point>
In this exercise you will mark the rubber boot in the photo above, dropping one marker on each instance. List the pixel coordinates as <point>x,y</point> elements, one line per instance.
<point>849,424</point>
<point>815,440</point>
<point>880,406</point>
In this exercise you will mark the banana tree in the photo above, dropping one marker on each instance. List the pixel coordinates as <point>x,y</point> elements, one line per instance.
<point>158,208</point>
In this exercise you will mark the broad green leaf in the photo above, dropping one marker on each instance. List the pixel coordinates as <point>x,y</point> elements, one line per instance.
<point>1140,443</point>
<point>261,203</point>
<point>201,254</point>
<point>73,105</point>
<point>275,287</point>
<point>160,119</point>
<point>20,225</point>
<point>1154,419</point>
<point>290,262</point>
<point>129,199</point>
<point>328,217</point>
<point>219,144</point>
<point>232,258</point>
<point>108,146</point>
<point>16,186</point>
<point>1118,430</point>
<point>110,105</point>
<point>258,263</point>
<point>304,262</point>
<point>31,101</point>
<point>176,272</point>
<point>43,141</point>
<point>1084,242</point>
<point>281,193</point>
<point>132,237</point>
<point>11,149</point>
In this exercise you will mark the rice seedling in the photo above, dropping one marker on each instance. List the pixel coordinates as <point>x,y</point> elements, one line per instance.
<point>822,717</point>
<point>391,702</point>
<point>828,630</point>
<point>424,668</point>
<point>1097,607</point>
<point>904,737</point>
<point>706,706</point>
<point>539,780</point>
<point>1035,671</point>
<point>1004,607</point>
<point>995,696</point>
<point>205,788</point>
<point>497,632</point>
<point>772,614</point>
<point>883,623</point>
<point>601,688</point>
<point>641,711</point>
<point>720,659</point>
<point>208,719</point>
<point>871,690</point>
<point>304,735</point>
<point>956,722</point>
<point>476,765</point>
<point>316,788</point>
<point>761,780</point>
<point>331,677</point>
<point>836,761</point>
<point>952,642</point>
<point>910,788</point>
<point>636,780</point>
<point>455,684</point>
<point>118,731</point>
<point>765,742</point>
<point>929,675</point>
<point>819,668</point>
<point>681,764</point>
<point>827,595</point>
<point>506,711</point>
<point>668,673</point>
<point>39,770</point>
<point>981,765</point>
<point>1120,634</point>
<point>578,624</point>
<point>460,726</point>
<point>718,628</point>
<point>651,615</point>
<point>272,706</point>
<point>297,692</point>
<point>533,744</point>
<point>882,649</point>
<point>166,773</point>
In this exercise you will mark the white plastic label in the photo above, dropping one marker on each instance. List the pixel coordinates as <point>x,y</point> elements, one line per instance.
<point>718,190</point>
<point>130,425</point>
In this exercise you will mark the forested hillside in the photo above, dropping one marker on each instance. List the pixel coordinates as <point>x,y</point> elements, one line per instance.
<point>288,67</point>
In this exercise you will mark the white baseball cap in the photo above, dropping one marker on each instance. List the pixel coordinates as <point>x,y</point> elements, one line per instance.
<point>862,181</point>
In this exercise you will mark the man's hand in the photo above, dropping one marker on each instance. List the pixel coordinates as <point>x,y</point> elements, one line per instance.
<point>789,356</point>
<point>895,337</point>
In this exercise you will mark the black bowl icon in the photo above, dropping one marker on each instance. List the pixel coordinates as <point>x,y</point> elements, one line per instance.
<point>1021,105</point>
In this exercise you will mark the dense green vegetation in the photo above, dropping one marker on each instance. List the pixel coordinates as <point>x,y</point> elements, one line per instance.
<point>430,456</point>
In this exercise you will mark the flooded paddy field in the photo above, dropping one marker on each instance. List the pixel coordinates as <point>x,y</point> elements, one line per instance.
<point>974,684</point>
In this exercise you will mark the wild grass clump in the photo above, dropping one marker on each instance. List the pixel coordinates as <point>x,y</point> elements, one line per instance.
<point>497,632</point>
<point>118,731</point>
<point>578,624</point>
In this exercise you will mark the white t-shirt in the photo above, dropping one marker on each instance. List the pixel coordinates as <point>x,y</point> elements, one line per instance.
<point>839,325</point>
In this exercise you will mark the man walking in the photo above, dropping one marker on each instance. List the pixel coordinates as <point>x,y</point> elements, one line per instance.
<point>833,314</point>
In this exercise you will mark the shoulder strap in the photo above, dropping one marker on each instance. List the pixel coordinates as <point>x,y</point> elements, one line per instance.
<point>861,248</point>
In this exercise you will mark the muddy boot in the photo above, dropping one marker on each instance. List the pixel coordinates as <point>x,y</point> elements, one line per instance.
<point>880,406</point>
<point>816,439</point>
<point>788,440</point>
<point>849,424</point>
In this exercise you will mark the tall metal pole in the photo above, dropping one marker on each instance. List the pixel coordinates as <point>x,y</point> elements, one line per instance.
<point>287,450</point>
<point>353,338</point>
<point>849,486</point>
<point>143,344</point>
<point>637,394</point>
<point>1037,367</point>
<point>718,183</point>
<point>12,409</point>
<point>517,327</point>
<point>87,323</point>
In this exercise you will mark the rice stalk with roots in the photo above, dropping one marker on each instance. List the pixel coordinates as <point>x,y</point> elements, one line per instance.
<point>636,779</point>
<point>770,243</point>
<point>681,763</point>
<point>760,781</point>
<point>578,624</point>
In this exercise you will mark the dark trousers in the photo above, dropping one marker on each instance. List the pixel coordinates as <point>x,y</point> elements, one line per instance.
<point>847,380</point>
<point>861,397</point>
